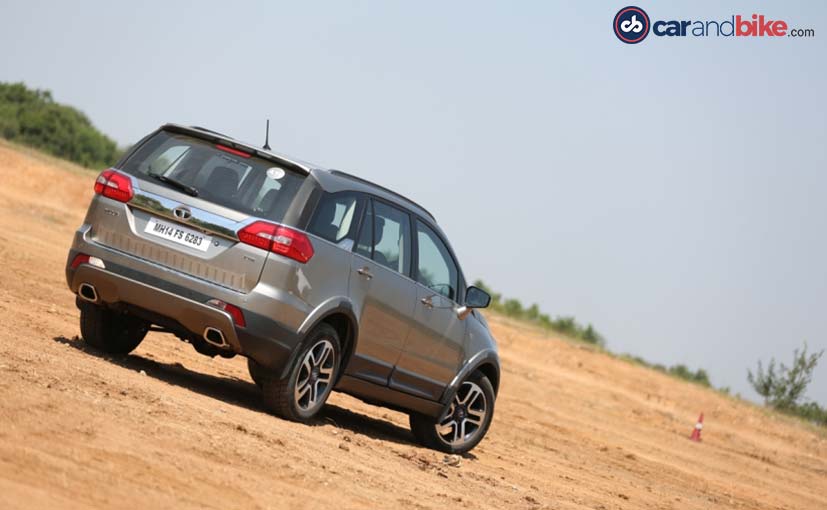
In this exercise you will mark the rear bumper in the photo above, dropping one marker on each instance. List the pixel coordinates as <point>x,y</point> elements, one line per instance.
<point>122,284</point>
<point>196,317</point>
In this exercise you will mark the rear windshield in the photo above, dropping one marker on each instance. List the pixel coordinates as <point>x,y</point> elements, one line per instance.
<point>216,173</point>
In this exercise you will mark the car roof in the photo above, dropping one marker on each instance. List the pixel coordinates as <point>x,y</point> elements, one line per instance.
<point>330,180</point>
<point>337,180</point>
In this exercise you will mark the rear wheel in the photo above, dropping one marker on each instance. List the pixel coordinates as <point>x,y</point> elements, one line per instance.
<point>110,331</point>
<point>466,421</point>
<point>302,394</point>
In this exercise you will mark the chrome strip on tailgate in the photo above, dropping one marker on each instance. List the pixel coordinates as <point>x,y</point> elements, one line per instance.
<point>171,259</point>
<point>200,219</point>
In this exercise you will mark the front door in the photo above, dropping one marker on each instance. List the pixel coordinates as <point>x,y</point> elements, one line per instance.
<point>434,349</point>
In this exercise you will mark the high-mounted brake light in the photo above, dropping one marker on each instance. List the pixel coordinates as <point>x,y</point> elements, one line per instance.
<point>232,151</point>
<point>277,239</point>
<point>114,185</point>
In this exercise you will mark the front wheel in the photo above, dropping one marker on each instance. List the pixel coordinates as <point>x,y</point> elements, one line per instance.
<point>464,424</point>
<point>302,394</point>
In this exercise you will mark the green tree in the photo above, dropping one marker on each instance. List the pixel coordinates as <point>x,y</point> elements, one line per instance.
<point>567,325</point>
<point>592,336</point>
<point>32,117</point>
<point>702,377</point>
<point>513,308</point>
<point>784,388</point>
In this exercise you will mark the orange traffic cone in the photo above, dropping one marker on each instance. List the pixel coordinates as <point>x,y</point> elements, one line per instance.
<point>696,432</point>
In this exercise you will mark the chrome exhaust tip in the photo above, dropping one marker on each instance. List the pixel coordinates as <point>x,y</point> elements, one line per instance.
<point>87,292</point>
<point>215,337</point>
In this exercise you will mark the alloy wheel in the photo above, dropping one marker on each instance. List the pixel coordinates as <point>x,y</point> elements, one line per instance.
<point>315,375</point>
<point>465,417</point>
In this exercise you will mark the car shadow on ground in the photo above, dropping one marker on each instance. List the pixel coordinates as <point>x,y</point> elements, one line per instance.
<point>242,393</point>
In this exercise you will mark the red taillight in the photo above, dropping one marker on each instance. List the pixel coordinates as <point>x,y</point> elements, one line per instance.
<point>277,239</point>
<point>232,151</point>
<point>101,181</point>
<point>114,185</point>
<point>80,258</point>
<point>234,311</point>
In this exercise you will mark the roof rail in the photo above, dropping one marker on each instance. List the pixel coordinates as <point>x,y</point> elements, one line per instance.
<point>370,183</point>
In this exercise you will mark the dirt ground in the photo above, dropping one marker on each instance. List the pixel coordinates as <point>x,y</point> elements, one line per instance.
<point>168,428</point>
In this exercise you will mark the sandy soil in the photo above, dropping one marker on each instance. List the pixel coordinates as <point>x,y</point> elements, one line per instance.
<point>166,427</point>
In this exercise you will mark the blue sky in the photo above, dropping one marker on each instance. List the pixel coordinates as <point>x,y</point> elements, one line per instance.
<point>670,192</point>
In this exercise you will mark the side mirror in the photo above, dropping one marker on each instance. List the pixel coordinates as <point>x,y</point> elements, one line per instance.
<point>475,297</point>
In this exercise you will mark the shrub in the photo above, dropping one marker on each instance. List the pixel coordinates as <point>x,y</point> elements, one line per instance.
<point>680,371</point>
<point>569,326</point>
<point>810,411</point>
<point>513,308</point>
<point>32,117</point>
<point>784,388</point>
<point>591,335</point>
<point>699,376</point>
<point>565,325</point>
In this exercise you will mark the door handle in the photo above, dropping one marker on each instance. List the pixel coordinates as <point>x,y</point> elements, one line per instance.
<point>427,302</point>
<point>364,271</point>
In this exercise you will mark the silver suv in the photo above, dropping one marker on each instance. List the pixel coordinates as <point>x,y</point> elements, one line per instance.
<point>321,279</point>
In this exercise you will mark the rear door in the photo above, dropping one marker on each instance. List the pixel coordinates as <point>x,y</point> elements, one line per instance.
<point>380,283</point>
<point>191,198</point>
<point>434,349</point>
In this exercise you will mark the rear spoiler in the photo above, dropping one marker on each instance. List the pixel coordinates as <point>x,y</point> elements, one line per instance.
<point>215,137</point>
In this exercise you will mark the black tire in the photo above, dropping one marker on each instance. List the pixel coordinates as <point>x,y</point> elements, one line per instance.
<point>280,395</point>
<point>424,428</point>
<point>110,331</point>
<point>257,372</point>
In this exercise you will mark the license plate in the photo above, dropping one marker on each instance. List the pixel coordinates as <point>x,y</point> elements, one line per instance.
<point>178,234</point>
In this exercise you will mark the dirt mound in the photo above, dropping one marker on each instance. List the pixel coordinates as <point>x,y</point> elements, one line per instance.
<point>166,427</point>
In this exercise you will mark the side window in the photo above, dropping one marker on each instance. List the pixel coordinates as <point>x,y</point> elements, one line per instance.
<point>435,266</point>
<point>392,238</point>
<point>333,218</point>
<point>364,246</point>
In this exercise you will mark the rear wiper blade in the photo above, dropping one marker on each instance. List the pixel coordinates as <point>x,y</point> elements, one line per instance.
<point>186,188</point>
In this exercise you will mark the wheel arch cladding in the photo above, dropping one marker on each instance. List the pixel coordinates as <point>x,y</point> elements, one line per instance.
<point>491,372</point>
<point>345,326</point>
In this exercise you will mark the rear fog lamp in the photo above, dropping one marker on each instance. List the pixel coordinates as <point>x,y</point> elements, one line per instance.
<point>234,311</point>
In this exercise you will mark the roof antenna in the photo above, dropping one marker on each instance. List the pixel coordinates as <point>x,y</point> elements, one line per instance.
<point>267,137</point>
